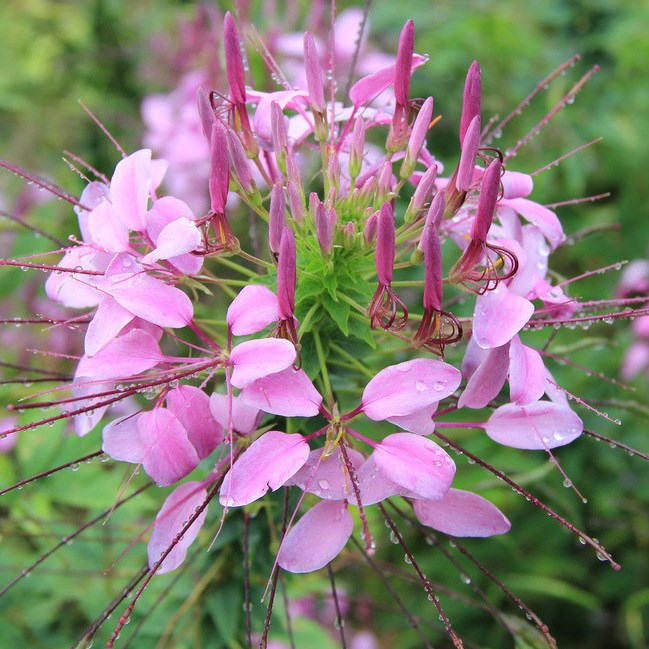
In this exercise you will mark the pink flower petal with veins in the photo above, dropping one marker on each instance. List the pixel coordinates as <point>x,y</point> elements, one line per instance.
<point>526,373</point>
<point>487,380</point>
<point>129,189</point>
<point>317,538</point>
<point>289,393</point>
<point>537,426</point>
<point>192,408</point>
<point>267,463</point>
<point>462,513</point>
<point>121,440</point>
<point>168,453</point>
<point>177,238</point>
<point>516,184</point>
<point>543,218</point>
<point>328,478</point>
<point>109,319</point>
<point>174,514</point>
<point>374,486</point>
<point>252,310</point>
<point>498,316</point>
<point>245,418</point>
<point>408,387</point>
<point>416,463</point>
<point>420,422</point>
<point>254,359</point>
<point>106,230</point>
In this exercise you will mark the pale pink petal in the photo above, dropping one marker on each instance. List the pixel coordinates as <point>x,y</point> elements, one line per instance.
<point>164,211</point>
<point>487,381</point>
<point>408,387</point>
<point>516,184</point>
<point>179,237</point>
<point>261,119</point>
<point>289,393</point>
<point>106,230</point>
<point>254,359</point>
<point>317,538</point>
<point>151,299</point>
<point>174,514</point>
<point>192,408</point>
<point>245,418</point>
<point>420,422</point>
<point>499,315</point>
<point>128,355</point>
<point>129,189</point>
<point>168,454</point>
<point>252,310</point>
<point>473,356</point>
<point>85,387</point>
<point>7,442</point>
<point>526,373</point>
<point>462,513</point>
<point>553,391</point>
<point>121,440</point>
<point>328,478</point>
<point>374,486</point>
<point>636,360</point>
<point>267,463</point>
<point>540,425</point>
<point>543,218</point>
<point>416,463</point>
<point>109,319</point>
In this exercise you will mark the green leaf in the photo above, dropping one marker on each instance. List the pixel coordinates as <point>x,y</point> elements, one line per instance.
<point>339,312</point>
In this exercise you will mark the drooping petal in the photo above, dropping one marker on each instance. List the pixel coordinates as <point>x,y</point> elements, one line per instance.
<point>106,230</point>
<point>129,189</point>
<point>499,315</point>
<point>487,380</point>
<point>416,463</point>
<point>419,422</point>
<point>374,486</point>
<point>289,393</point>
<point>245,418</point>
<point>516,184</point>
<point>328,478</point>
<point>267,463</point>
<point>174,514</point>
<point>168,453</point>
<point>462,513</point>
<point>526,373</point>
<point>109,319</point>
<point>537,426</point>
<point>252,310</point>
<point>192,408</point>
<point>254,359</point>
<point>317,538</point>
<point>121,440</point>
<point>408,387</point>
<point>540,216</point>
<point>177,238</point>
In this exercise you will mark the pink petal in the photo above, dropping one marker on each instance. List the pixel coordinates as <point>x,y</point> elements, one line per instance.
<point>151,299</point>
<point>129,189</point>
<point>499,315</point>
<point>526,374</point>
<point>317,538</point>
<point>254,359</point>
<point>408,387</point>
<point>128,355</point>
<point>374,486</point>
<point>7,442</point>
<point>328,478</point>
<point>543,218</point>
<point>516,184</point>
<point>420,422</point>
<point>174,514</point>
<point>462,513</point>
<point>168,454</point>
<point>121,440</point>
<point>261,120</point>
<point>267,463</point>
<point>86,421</point>
<point>106,230</point>
<point>540,425</point>
<point>164,211</point>
<point>487,381</point>
<point>636,360</point>
<point>177,238</point>
<point>109,319</point>
<point>192,408</point>
<point>415,463</point>
<point>72,290</point>
<point>252,310</point>
<point>289,393</point>
<point>245,418</point>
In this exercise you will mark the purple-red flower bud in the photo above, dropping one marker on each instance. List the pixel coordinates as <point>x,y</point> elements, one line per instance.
<point>417,138</point>
<point>357,149</point>
<point>325,223</point>
<point>219,183</point>
<point>403,65</point>
<point>239,161</point>
<point>487,201</point>
<point>313,73</point>
<point>467,158</point>
<point>286,273</point>
<point>295,202</point>
<point>422,192</point>
<point>471,105</point>
<point>205,112</point>
<point>385,244</point>
<point>234,69</point>
<point>384,181</point>
<point>371,225</point>
<point>276,218</point>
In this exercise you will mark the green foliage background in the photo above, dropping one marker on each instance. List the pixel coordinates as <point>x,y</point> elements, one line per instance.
<point>100,51</point>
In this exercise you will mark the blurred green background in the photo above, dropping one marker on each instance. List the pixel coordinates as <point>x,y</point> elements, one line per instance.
<point>111,54</point>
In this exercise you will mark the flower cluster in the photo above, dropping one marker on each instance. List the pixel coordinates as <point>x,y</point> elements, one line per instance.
<point>328,374</point>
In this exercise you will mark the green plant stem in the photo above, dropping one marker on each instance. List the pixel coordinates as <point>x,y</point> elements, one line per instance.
<point>323,366</point>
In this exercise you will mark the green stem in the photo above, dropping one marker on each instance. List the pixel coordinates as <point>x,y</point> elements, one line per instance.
<point>323,366</point>
<point>255,260</point>
<point>354,362</point>
<point>307,318</point>
<point>351,302</point>
<point>238,267</point>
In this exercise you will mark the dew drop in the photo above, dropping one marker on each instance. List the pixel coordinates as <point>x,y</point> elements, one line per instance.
<point>438,386</point>
<point>420,386</point>
<point>323,484</point>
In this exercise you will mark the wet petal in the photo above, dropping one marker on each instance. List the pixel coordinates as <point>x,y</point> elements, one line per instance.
<point>254,359</point>
<point>245,418</point>
<point>487,380</point>
<point>121,440</point>
<point>252,310</point>
<point>526,374</point>
<point>462,513</point>
<point>177,238</point>
<point>317,538</point>
<point>420,422</point>
<point>109,319</point>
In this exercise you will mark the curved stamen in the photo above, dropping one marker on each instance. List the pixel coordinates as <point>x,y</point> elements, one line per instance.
<point>384,307</point>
